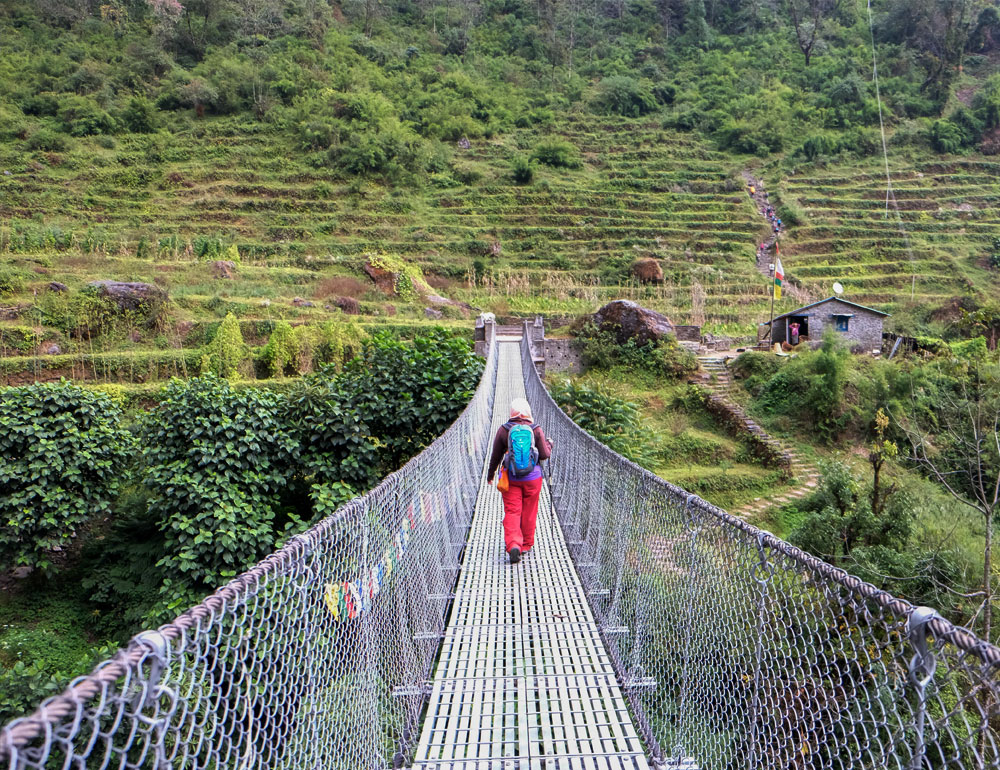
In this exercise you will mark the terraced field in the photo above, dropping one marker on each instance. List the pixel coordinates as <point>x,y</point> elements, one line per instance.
<point>949,218</point>
<point>158,208</point>
<point>641,192</point>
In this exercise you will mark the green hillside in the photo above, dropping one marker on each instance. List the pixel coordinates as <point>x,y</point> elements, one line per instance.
<point>520,156</point>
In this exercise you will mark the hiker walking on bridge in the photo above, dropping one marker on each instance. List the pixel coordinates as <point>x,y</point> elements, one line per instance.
<point>520,445</point>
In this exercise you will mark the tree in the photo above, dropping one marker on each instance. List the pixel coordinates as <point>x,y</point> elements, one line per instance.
<point>695,25</point>
<point>216,459</point>
<point>956,441</point>
<point>939,30</point>
<point>807,19</point>
<point>227,352</point>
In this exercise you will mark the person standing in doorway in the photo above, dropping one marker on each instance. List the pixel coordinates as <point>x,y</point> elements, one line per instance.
<point>520,446</point>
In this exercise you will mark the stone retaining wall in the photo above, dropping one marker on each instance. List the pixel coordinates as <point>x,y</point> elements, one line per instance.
<point>739,423</point>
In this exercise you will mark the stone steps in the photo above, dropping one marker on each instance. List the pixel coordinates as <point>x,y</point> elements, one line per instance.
<point>715,376</point>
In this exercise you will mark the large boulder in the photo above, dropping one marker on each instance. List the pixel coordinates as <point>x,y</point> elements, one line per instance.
<point>628,320</point>
<point>384,280</point>
<point>647,270</point>
<point>224,269</point>
<point>129,295</point>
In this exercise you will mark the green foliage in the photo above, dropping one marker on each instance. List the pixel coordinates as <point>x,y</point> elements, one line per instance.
<point>215,460</point>
<point>839,518</point>
<point>282,350</point>
<point>63,456</point>
<point>755,369</point>
<point>622,95</point>
<point>411,393</point>
<point>338,343</point>
<point>227,351</point>
<point>611,420</point>
<point>521,170</point>
<point>334,432</point>
<point>599,348</point>
<point>946,136</point>
<point>811,389</point>
<point>556,153</point>
<point>327,498</point>
<point>12,280</point>
<point>140,117</point>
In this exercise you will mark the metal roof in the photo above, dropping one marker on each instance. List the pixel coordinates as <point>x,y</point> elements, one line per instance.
<point>799,310</point>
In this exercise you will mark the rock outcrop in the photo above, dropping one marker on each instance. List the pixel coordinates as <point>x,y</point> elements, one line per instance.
<point>224,268</point>
<point>629,320</point>
<point>129,295</point>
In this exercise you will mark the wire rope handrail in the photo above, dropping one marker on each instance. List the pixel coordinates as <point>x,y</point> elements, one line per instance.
<point>318,655</point>
<point>738,649</point>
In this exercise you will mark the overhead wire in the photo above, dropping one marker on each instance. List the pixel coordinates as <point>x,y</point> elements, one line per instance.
<point>890,194</point>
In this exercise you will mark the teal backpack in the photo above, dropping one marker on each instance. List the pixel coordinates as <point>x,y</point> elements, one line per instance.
<point>522,454</point>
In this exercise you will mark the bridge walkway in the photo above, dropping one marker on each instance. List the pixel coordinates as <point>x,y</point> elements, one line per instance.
<point>524,681</point>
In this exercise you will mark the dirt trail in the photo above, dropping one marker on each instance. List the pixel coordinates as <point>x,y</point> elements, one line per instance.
<point>765,253</point>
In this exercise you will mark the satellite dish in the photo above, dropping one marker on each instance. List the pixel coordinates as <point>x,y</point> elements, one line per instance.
<point>838,289</point>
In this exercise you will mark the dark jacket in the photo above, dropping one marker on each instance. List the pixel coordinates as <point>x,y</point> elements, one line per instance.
<point>500,446</point>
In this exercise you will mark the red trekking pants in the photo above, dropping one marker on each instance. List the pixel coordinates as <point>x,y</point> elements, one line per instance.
<point>520,506</point>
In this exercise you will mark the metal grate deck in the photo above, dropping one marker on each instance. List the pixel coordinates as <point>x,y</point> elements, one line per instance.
<point>524,681</point>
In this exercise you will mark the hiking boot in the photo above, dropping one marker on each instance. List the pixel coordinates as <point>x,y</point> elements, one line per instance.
<point>515,555</point>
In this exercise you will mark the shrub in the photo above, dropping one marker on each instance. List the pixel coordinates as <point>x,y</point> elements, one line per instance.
<point>282,350</point>
<point>522,170</point>
<point>62,454</point>
<point>330,423</point>
<point>611,420</point>
<point>12,280</point>
<point>215,460</point>
<point>755,369</point>
<point>790,214</point>
<point>81,116</point>
<point>557,153</point>
<point>411,393</point>
<point>47,140</point>
<point>946,136</point>
<point>621,95</point>
<point>228,353</point>
<point>140,116</point>
<point>600,349</point>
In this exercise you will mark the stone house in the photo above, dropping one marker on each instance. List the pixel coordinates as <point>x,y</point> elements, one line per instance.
<point>860,326</point>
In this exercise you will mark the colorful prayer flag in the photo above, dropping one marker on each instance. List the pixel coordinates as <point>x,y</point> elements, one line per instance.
<point>779,276</point>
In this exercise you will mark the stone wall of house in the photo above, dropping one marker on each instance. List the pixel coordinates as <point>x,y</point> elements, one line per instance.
<point>864,328</point>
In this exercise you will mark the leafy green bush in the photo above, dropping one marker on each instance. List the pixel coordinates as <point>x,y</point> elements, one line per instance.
<point>12,280</point>
<point>840,517</point>
<point>557,153</point>
<point>521,170</point>
<point>227,351</point>
<point>755,369</point>
<point>411,393</point>
<point>282,350</point>
<point>140,116</point>
<point>215,460</point>
<point>599,348</point>
<point>622,95</point>
<point>47,140</point>
<point>811,389</point>
<point>611,420</point>
<point>946,136</point>
<point>63,456</point>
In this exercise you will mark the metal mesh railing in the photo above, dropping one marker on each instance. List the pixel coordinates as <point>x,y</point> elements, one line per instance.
<point>315,658</point>
<point>738,650</point>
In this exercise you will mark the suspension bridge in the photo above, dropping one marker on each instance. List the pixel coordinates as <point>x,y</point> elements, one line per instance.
<point>645,629</point>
